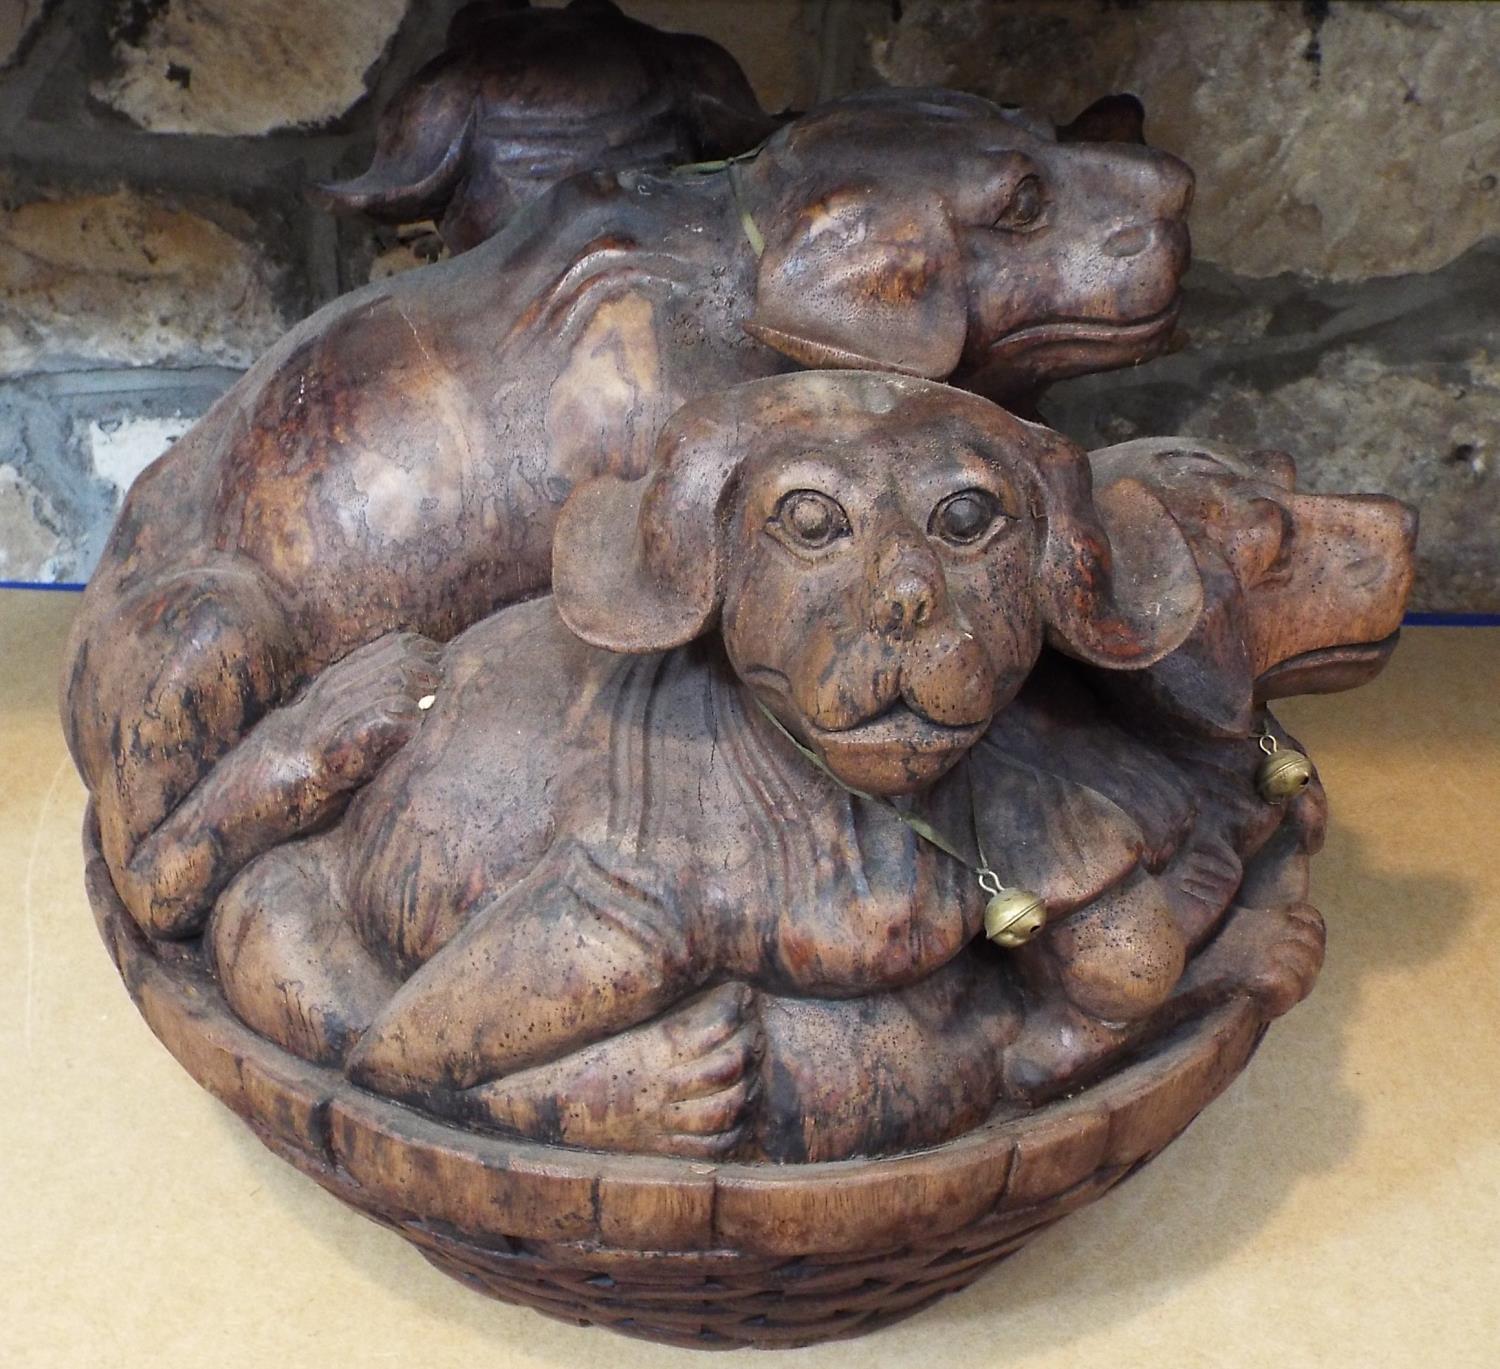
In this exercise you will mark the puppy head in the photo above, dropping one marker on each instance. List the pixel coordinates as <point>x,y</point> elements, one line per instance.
<point>885,558</point>
<point>1305,592</point>
<point>522,98</point>
<point>937,234</point>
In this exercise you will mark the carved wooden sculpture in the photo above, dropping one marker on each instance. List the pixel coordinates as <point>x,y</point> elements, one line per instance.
<point>882,561</point>
<point>1262,549</point>
<point>523,98</point>
<point>398,461</point>
<point>884,589</point>
<point>875,845</point>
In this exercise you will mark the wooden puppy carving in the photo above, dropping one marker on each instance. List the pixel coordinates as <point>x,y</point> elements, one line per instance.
<point>398,461</point>
<point>523,98</point>
<point>1304,592</point>
<point>597,822</point>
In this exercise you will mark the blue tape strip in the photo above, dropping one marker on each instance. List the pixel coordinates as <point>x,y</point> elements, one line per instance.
<point>35,584</point>
<point>1411,619</point>
<point>1452,620</point>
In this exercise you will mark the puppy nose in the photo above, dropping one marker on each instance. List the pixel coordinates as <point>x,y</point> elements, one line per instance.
<point>904,607</point>
<point>906,596</point>
<point>1178,182</point>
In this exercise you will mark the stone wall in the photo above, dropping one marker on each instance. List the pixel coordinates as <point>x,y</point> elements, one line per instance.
<point>154,235</point>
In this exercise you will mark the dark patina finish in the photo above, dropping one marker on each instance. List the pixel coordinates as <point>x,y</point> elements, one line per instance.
<point>397,462</point>
<point>589,893</point>
<point>560,729</point>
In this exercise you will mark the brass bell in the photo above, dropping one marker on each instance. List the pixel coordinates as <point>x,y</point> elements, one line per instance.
<point>1283,774</point>
<point>1013,916</point>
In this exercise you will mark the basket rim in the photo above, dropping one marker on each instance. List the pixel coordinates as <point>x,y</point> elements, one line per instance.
<point>408,1167</point>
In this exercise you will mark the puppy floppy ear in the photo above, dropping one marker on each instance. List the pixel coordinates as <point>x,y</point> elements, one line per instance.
<point>1118,583</point>
<point>864,280</point>
<point>421,151</point>
<point>637,565</point>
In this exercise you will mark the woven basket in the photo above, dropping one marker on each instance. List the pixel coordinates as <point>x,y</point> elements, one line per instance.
<point>688,1253</point>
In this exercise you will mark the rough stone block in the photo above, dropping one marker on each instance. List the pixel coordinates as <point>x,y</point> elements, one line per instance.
<point>74,442</point>
<point>119,449</point>
<point>34,545</point>
<point>123,279</point>
<point>391,251</point>
<point>17,19</point>
<point>1338,139</point>
<point>244,67</point>
<point>775,41</point>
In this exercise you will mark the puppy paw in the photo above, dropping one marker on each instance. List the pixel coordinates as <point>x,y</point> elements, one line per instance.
<point>1200,884</point>
<point>683,1084</point>
<point>1058,1047</point>
<point>360,711</point>
<point>1272,954</point>
<point>1290,941</point>
<point>708,1089</point>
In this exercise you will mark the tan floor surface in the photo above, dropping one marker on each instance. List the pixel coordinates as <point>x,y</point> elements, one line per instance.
<point>1340,1205</point>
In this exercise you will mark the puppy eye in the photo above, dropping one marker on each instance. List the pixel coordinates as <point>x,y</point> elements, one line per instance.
<point>1024,207</point>
<point>965,517</point>
<point>810,519</point>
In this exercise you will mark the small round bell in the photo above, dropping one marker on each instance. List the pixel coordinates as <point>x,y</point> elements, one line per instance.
<point>1013,916</point>
<point>1283,775</point>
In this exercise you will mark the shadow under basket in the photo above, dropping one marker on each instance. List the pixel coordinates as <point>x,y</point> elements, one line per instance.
<point>689,1253</point>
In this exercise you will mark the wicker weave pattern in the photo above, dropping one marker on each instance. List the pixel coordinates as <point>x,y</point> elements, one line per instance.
<point>724,1299</point>
<point>747,1302</point>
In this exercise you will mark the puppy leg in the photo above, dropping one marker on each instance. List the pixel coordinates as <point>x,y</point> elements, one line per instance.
<point>887,1072</point>
<point>288,959</point>
<point>681,1085</point>
<point>1094,978</point>
<point>1271,943</point>
<point>160,688</point>
<point>292,773</point>
<point>572,953</point>
<point>173,717</point>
